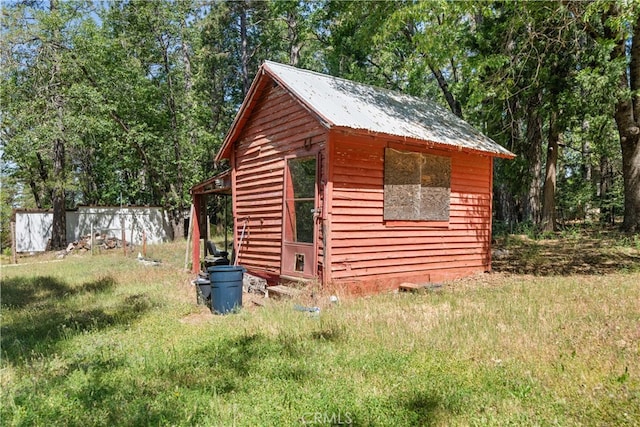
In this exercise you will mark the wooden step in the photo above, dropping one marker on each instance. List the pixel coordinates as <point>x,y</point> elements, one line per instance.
<point>419,287</point>
<point>280,291</point>
<point>296,280</point>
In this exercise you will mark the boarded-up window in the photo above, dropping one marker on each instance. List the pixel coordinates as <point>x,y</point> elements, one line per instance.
<point>417,186</point>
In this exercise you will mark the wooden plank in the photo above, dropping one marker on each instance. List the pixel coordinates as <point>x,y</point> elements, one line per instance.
<point>14,252</point>
<point>343,193</point>
<point>369,208</point>
<point>378,230</point>
<point>342,246</point>
<point>339,272</point>
<point>410,287</point>
<point>368,181</point>
<point>419,287</point>
<point>257,181</point>
<point>409,237</point>
<point>371,163</point>
<point>279,291</point>
<point>350,249</point>
<point>400,261</point>
<point>258,199</point>
<point>279,128</point>
<point>196,250</point>
<point>344,203</point>
<point>408,256</point>
<point>350,210</point>
<point>262,122</point>
<point>361,168</point>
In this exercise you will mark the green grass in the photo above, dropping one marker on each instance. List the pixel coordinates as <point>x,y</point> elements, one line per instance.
<point>105,341</point>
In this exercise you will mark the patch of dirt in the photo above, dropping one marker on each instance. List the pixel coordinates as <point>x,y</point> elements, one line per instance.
<point>203,316</point>
<point>250,302</point>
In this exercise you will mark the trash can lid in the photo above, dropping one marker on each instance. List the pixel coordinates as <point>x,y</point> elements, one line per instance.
<point>227,268</point>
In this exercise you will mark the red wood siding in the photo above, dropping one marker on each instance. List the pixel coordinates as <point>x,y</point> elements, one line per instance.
<point>365,248</point>
<point>277,127</point>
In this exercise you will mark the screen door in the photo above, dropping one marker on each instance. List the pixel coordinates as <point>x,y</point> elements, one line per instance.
<point>299,233</point>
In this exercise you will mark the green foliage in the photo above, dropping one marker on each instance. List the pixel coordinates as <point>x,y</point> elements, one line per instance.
<point>149,89</point>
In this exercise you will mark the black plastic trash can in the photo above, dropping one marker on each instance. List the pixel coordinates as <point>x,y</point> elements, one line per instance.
<point>203,290</point>
<point>226,287</point>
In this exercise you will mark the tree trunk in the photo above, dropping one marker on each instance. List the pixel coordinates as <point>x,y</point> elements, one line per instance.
<point>293,34</point>
<point>631,175</point>
<point>534,154</point>
<point>587,169</point>
<point>627,116</point>
<point>188,89</point>
<point>549,200</point>
<point>176,221</point>
<point>244,48</point>
<point>176,188</point>
<point>607,211</point>
<point>629,128</point>
<point>504,206</point>
<point>59,226</point>
<point>35,192</point>
<point>454,104</point>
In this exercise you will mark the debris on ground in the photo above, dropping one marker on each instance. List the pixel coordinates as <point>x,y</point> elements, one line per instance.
<point>254,285</point>
<point>148,261</point>
<point>313,311</point>
<point>100,241</point>
<point>419,287</point>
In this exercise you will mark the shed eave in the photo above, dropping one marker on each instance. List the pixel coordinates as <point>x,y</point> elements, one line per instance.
<point>505,154</point>
<point>208,186</point>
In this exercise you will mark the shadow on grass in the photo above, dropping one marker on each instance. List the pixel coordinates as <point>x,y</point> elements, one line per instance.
<point>329,331</point>
<point>225,365</point>
<point>21,292</point>
<point>587,255</point>
<point>420,407</point>
<point>39,313</point>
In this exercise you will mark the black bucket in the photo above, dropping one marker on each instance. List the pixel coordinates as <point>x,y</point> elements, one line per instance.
<point>203,291</point>
<point>213,261</point>
<point>226,287</point>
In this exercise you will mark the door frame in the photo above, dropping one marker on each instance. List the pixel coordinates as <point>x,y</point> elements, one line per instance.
<point>288,245</point>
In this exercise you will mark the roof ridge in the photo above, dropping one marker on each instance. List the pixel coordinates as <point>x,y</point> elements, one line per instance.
<point>353,82</point>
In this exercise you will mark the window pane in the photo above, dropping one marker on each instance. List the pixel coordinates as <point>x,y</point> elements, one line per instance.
<point>300,214</point>
<point>304,221</point>
<point>303,175</point>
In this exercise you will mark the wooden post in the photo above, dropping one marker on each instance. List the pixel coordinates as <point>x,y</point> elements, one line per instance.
<point>124,237</point>
<point>93,240</point>
<point>226,242</point>
<point>144,243</point>
<point>206,215</point>
<point>14,252</point>
<point>186,251</point>
<point>195,226</point>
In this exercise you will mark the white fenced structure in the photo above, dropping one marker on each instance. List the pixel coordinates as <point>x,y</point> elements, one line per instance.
<point>33,228</point>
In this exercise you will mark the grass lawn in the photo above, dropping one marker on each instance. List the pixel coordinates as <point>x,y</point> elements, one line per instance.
<point>104,340</point>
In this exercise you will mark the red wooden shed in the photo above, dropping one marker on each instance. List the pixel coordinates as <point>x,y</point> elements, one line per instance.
<point>354,185</point>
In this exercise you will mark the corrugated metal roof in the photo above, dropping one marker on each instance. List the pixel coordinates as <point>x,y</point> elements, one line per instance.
<point>344,103</point>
